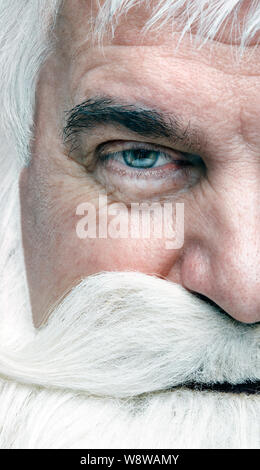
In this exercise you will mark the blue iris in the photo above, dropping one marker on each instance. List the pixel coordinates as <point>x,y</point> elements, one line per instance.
<point>140,158</point>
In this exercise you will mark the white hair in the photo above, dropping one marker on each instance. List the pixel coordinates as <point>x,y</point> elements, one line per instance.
<point>25,28</point>
<point>78,382</point>
<point>40,418</point>
<point>108,369</point>
<point>27,36</point>
<point>25,41</point>
<point>124,334</point>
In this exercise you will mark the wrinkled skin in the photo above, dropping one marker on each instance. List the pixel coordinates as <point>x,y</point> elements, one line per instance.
<point>211,93</point>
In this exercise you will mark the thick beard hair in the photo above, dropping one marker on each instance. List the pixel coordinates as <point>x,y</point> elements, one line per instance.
<point>108,368</point>
<point>112,365</point>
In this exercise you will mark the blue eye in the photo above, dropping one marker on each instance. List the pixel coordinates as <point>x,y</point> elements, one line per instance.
<point>140,158</point>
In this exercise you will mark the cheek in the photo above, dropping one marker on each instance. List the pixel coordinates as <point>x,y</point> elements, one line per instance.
<point>77,258</point>
<point>57,258</point>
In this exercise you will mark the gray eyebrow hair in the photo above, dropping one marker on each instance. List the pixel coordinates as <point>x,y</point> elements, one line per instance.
<point>138,119</point>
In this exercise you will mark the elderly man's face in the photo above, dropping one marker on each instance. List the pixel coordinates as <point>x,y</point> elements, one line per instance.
<point>160,125</point>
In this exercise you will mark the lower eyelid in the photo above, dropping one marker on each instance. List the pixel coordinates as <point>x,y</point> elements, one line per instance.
<point>135,184</point>
<point>166,170</point>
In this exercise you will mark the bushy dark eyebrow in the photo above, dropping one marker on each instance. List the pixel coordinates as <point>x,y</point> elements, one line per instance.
<point>138,119</point>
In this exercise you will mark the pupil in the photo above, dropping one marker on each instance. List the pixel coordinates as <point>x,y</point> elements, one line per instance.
<point>140,158</point>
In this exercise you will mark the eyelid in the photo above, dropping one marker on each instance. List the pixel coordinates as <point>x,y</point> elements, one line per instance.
<point>134,183</point>
<point>105,149</point>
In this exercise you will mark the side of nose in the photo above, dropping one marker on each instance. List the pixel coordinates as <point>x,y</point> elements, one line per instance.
<point>223,261</point>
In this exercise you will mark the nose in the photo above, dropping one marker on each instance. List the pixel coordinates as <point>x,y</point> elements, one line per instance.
<point>222,261</point>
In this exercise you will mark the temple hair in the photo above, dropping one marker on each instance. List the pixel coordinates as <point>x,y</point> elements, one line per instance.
<point>26,39</point>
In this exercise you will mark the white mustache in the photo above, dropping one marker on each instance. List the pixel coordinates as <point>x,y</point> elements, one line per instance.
<point>124,334</point>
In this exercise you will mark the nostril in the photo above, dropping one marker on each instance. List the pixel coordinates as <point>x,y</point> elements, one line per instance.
<point>220,309</point>
<point>210,302</point>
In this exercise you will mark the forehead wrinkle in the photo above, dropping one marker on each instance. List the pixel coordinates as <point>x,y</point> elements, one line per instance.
<point>210,21</point>
<point>130,34</point>
<point>89,58</point>
<point>130,31</point>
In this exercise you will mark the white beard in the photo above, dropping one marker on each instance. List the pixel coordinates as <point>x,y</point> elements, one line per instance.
<point>44,418</point>
<point>96,375</point>
<point>99,374</point>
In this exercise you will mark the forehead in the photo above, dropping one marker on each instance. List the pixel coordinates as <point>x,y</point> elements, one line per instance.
<point>77,27</point>
<point>154,69</point>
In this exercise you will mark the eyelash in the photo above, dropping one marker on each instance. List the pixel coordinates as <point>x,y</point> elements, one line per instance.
<point>109,164</point>
<point>141,151</point>
<point>139,160</point>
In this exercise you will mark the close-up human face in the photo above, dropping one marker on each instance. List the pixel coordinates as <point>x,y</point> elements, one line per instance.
<point>129,238</point>
<point>139,119</point>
